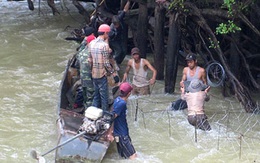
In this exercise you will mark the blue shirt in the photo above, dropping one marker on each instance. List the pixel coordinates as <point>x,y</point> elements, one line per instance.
<point>120,123</point>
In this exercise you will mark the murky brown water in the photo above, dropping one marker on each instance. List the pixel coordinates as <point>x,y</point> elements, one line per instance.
<point>33,57</point>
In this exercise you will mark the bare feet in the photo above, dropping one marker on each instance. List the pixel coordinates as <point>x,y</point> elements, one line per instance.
<point>133,156</point>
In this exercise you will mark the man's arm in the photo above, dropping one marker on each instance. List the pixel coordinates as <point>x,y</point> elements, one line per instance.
<point>127,5</point>
<point>90,60</point>
<point>203,76</point>
<point>148,64</point>
<point>184,77</point>
<point>204,79</point>
<point>182,93</point>
<point>128,67</point>
<point>121,13</point>
<point>107,64</point>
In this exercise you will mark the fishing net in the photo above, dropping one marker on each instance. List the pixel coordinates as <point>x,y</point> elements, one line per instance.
<point>234,136</point>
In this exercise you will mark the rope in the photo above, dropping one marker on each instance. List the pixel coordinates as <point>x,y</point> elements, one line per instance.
<point>94,12</point>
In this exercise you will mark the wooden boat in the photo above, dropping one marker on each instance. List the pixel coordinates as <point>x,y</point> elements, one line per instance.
<point>92,146</point>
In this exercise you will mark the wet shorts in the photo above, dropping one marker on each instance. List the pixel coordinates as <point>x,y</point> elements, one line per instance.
<point>124,146</point>
<point>145,90</point>
<point>199,121</point>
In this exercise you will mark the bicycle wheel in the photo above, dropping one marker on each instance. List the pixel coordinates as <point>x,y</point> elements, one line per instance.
<point>215,74</point>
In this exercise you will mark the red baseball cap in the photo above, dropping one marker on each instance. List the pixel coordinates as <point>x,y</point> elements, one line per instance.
<point>104,28</point>
<point>90,38</point>
<point>125,87</point>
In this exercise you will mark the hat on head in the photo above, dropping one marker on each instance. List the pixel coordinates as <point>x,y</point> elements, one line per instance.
<point>196,85</point>
<point>115,19</point>
<point>125,87</point>
<point>104,28</point>
<point>135,51</point>
<point>191,56</point>
<point>88,31</point>
<point>90,38</point>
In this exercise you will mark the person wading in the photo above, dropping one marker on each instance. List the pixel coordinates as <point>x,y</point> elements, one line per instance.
<point>192,71</point>
<point>141,85</point>
<point>121,131</point>
<point>196,95</point>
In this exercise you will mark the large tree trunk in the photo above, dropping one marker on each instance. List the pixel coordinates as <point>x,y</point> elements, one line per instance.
<point>82,11</point>
<point>172,54</point>
<point>101,7</point>
<point>234,60</point>
<point>52,6</point>
<point>241,92</point>
<point>159,48</point>
<point>142,25</point>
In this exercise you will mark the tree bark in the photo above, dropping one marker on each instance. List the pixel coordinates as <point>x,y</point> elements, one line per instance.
<point>52,6</point>
<point>159,48</point>
<point>82,11</point>
<point>241,92</point>
<point>142,29</point>
<point>172,54</point>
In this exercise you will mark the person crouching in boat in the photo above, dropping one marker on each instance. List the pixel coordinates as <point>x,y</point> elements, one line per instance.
<point>196,95</point>
<point>125,147</point>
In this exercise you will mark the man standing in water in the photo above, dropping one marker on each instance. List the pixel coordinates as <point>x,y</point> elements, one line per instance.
<point>141,86</point>
<point>193,71</point>
<point>196,95</point>
<point>101,68</point>
<point>121,132</point>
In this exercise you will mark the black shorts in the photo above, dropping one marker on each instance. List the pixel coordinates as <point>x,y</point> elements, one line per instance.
<point>199,121</point>
<point>125,147</point>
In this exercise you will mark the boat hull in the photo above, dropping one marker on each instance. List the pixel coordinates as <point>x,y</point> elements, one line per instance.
<point>86,148</point>
<point>80,150</point>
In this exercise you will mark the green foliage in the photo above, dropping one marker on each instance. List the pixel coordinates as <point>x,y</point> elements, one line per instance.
<point>177,4</point>
<point>228,4</point>
<point>225,28</point>
<point>212,45</point>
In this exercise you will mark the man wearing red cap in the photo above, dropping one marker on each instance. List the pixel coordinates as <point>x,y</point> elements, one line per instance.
<point>141,86</point>
<point>121,131</point>
<point>101,68</point>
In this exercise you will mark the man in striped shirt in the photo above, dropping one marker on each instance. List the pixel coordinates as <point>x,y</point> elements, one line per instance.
<point>101,68</point>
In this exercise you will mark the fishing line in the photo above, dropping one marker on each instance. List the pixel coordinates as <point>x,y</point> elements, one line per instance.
<point>137,76</point>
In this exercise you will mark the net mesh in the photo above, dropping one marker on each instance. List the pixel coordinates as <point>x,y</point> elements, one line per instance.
<point>234,135</point>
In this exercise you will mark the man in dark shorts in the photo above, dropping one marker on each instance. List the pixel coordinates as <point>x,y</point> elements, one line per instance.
<point>121,132</point>
<point>196,95</point>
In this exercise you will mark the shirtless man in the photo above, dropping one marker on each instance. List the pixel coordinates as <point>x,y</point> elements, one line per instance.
<point>193,71</point>
<point>141,85</point>
<point>196,95</point>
